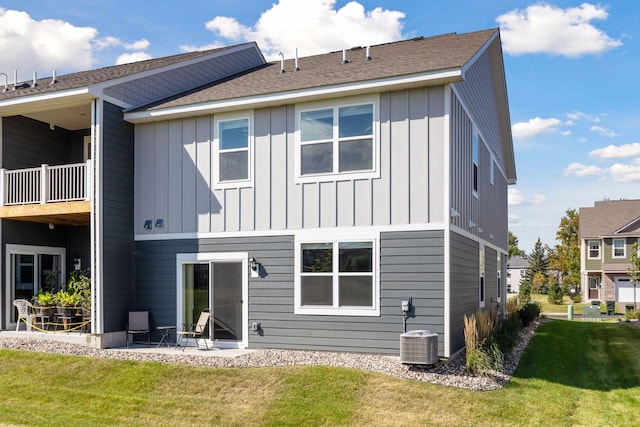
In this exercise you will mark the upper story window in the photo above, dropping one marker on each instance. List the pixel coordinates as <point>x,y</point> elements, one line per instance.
<point>619,249</point>
<point>337,277</point>
<point>594,249</point>
<point>336,140</point>
<point>232,151</point>
<point>474,173</point>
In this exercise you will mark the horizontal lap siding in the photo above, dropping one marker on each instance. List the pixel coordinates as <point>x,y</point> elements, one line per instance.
<point>117,218</point>
<point>411,266</point>
<point>465,267</point>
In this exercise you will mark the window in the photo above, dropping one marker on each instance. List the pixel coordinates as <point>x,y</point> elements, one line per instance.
<point>619,248</point>
<point>481,277</point>
<point>492,172</point>
<point>336,140</point>
<point>232,156</point>
<point>499,277</point>
<point>475,164</point>
<point>337,277</point>
<point>594,249</point>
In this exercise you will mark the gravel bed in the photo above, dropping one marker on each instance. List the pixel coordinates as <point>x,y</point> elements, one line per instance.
<point>450,373</point>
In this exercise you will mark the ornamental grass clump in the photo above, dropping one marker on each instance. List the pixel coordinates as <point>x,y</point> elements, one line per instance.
<point>482,351</point>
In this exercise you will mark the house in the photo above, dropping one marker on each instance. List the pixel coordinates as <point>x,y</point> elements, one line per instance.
<point>608,231</point>
<point>304,202</point>
<point>516,270</point>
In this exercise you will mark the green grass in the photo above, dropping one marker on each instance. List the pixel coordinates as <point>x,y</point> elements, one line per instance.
<point>573,373</point>
<point>560,308</point>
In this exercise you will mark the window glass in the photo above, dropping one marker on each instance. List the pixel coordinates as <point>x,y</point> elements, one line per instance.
<point>594,249</point>
<point>356,155</point>
<point>618,248</point>
<point>475,162</point>
<point>343,280</point>
<point>234,134</point>
<point>337,140</point>
<point>316,125</point>
<point>355,121</point>
<point>234,165</point>
<point>316,158</point>
<point>317,258</point>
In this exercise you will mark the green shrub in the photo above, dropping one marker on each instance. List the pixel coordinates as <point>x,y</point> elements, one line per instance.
<point>509,331</point>
<point>530,311</point>
<point>576,298</point>
<point>482,351</point>
<point>554,293</point>
<point>630,314</point>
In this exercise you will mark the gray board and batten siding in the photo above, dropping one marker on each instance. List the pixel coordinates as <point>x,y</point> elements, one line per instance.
<point>174,174</point>
<point>117,218</point>
<point>411,266</point>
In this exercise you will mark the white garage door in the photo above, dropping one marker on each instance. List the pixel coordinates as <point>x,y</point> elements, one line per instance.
<point>624,290</point>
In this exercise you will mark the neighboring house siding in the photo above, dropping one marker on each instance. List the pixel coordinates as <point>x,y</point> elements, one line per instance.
<point>174,174</point>
<point>464,265</point>
<point>607,247</point>
<point>117,217</point>
<point>411,266</point>
<point>180,78</point>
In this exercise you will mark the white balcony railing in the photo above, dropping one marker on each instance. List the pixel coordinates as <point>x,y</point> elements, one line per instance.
<point>45,184</point>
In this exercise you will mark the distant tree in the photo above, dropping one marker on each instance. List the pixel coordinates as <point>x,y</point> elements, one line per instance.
<point>565,258</point>
<point>538,270</point>
<point>514,250</point>
<point>634,271</point>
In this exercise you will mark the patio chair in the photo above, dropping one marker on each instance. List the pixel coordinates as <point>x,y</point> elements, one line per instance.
<point>138,325</point>
<point>25,313</point>
<point>195,332</point>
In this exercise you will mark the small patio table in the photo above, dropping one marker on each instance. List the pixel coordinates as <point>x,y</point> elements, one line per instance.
<point>166,335</point>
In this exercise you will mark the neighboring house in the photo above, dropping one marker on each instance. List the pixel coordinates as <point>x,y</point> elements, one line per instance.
<point>301,201</point>
<point>607,232</point>
<point>516,270</point>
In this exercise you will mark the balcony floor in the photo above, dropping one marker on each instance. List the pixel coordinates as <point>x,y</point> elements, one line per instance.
<point>60,213</point>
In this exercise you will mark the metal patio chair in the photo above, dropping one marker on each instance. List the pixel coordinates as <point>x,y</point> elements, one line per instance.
<point>195,332</point>
<point>138,325</point>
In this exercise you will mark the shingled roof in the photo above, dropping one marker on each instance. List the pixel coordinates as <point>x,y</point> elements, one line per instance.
<point>100,75</point>
<point>609,218</point>
<point>405,58</point>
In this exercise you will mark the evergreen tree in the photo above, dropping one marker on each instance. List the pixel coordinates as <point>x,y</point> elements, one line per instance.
<point>514,250</point>
<point>538,270</point>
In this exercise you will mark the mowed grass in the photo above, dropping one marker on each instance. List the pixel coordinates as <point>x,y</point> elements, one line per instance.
<point>572,373</point>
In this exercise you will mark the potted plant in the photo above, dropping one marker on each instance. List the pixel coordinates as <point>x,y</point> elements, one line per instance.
<point>67,303</point>
<point>45,302</point>
<point>80,284</point>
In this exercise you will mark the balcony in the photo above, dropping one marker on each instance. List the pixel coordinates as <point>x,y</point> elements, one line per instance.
<point>50,194</point>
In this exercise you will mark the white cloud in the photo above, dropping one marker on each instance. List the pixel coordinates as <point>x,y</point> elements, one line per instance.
<point>137,45</point>
<point>127,58</point>
<point>29,45</point>
<point>617,151</point>
<point>580,170</point>
<point>514,197</point>
<point>603,131</point>
<point>534,127</point>
<point>314,25</point>
<point>544,28</point>
<point>565,133</point>
<point>625,173</point>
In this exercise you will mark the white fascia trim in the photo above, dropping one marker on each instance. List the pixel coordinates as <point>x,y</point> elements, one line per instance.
<point>22,103</point>
<point>446,215</point>
<point>297,232</point>
<point>450,75</point>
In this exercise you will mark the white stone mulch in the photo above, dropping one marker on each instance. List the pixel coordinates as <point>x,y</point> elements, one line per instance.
<point>450,373</point>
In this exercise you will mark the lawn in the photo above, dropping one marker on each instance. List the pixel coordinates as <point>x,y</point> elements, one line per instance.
<point>572,373</point>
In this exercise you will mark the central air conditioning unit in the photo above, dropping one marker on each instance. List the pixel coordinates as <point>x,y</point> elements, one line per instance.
<point>419,348</point>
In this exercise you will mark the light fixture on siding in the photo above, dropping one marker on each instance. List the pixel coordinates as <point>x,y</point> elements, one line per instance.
<point>471,224</point>
<point>255,267</point>
<point>454,213</point>
<point>148,224</point>
<point>159,223</point>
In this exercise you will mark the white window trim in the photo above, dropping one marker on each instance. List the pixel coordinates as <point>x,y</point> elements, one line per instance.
<point>589,249</point>
<point>336,176</point>
<point>624,248</point>
<point>240,183</point>
<point>326,237</point>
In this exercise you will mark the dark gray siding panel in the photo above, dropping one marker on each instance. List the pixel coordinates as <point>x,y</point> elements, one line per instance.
<point>117,202</point>
<point>465,267</point>
<point>411,266</point>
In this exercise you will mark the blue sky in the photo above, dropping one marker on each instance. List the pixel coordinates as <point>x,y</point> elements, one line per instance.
<point>572,70</point>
